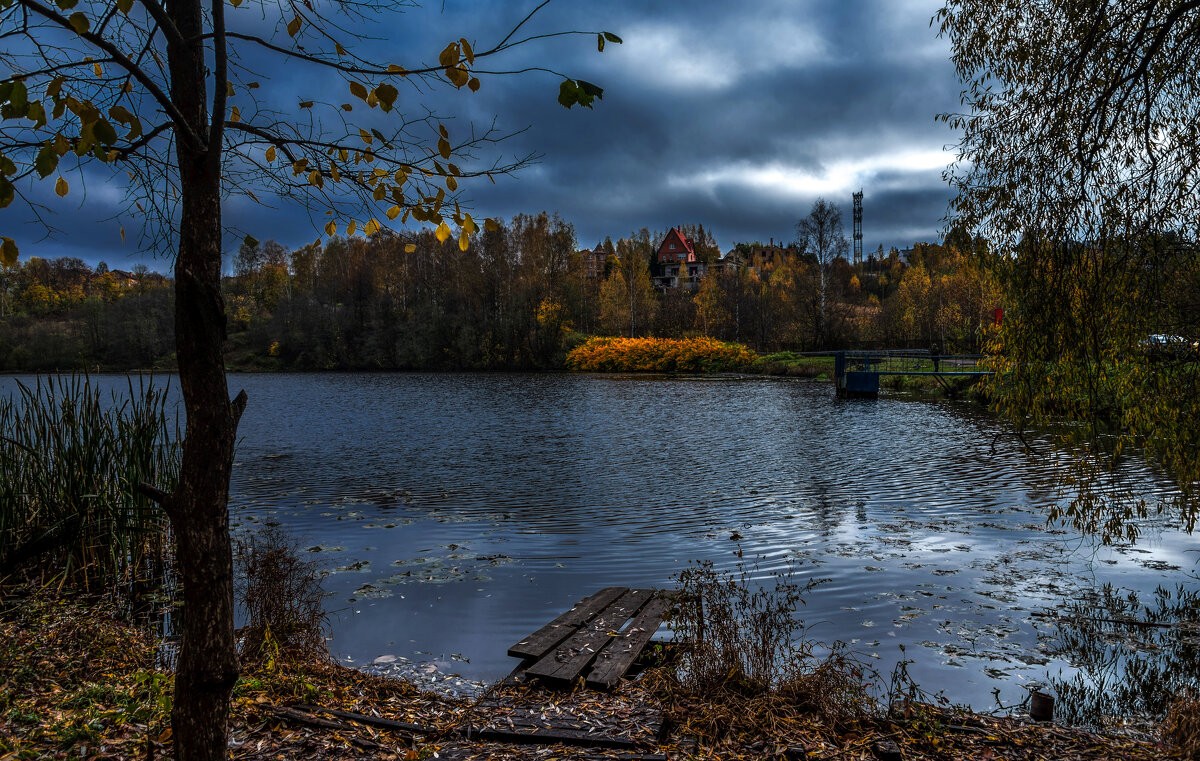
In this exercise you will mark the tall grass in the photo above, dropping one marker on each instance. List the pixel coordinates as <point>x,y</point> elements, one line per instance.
<point>70,465</point>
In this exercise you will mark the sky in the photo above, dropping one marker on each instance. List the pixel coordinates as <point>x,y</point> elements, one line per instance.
<point>737,116</point>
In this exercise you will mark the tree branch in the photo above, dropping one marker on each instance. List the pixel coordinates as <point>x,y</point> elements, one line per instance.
<point>123,61</point>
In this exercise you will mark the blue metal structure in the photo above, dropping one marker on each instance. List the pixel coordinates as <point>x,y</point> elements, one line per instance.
<point>857,373</point>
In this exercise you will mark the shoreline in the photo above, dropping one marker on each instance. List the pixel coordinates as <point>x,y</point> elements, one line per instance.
<point>104,693</point>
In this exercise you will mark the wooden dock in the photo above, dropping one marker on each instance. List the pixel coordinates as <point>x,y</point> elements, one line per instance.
<point>598,639</point>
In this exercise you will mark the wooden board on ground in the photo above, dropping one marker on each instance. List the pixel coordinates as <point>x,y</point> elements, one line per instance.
<point>545,639</point>
<point>619,654</point>
<point>569,659</point>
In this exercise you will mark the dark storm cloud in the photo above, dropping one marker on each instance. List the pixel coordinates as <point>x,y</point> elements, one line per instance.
<point>737,116</point>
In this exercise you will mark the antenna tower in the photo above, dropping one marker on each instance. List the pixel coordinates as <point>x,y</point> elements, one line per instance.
<point>858,228</point>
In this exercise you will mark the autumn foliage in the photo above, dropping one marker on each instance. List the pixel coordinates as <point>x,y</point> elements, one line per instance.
<point>658,355</point>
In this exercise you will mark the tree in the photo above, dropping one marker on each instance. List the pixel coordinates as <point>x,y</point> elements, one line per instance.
<point>627,296</point>
<point>177,77</point>
<point>821,235</point>
<point>1079,161</point>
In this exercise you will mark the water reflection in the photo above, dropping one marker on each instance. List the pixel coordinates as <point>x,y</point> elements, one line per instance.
<point>457,513</point>
<point>1129,658</point>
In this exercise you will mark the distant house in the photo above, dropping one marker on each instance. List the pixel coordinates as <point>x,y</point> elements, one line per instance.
<point>594,259</point>
<point>677,261</point>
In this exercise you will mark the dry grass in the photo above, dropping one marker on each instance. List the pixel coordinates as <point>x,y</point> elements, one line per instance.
<point>280,593</point>
<point>1181,730</point>
<point>746,668</point>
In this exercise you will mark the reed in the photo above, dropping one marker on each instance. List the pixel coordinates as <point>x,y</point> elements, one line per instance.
<point>70,465</point>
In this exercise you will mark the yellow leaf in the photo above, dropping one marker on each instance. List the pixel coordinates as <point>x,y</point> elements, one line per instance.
<point>294,26</point>
<point>469,225</point>
<point>371,227</point>
<point>235,114</point>
<point>444,147</point>
<point>98,69</point>
<point>60,187</point>
<point>491,224</point>
<point>334,173</point>
<point>394,69</point>
<point>473,84</point>
<point>449,56</point>
<point>271,153</point>
<point>8,252</point>
<point>452,183</point>
<point>337,46</point>
<point>380,192</point>
<point>366,136</point>
<point>358,91</point>
<point>467,51</point>
<point>442,232</point>
<point>372,99</point>
<point>350,228</point>
<point>464,241</point>
<point>314,178</point>
<point>393,212</point>
<point>228,88</point>
<point>331,228</point>
<point>409,248</point>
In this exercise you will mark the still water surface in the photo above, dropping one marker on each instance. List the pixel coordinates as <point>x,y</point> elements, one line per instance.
<point>457,513</point>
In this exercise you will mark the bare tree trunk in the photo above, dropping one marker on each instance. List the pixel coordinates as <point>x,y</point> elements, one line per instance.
<point>207,667</point>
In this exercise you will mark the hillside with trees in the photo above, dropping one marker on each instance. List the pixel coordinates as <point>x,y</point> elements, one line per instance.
<point>517,297</point>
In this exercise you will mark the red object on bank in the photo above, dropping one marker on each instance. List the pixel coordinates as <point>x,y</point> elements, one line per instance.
<point>999,316</point>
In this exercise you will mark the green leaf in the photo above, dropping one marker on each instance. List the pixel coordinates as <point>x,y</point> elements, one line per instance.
<point>7,192</point>
<point>568,93</point>
<point>7,166</point>
<point>612,37</point>
<point>19,98</point>
<point>250,241</point>
<point>36,114</point>
<point>600,42</point>
<point>46,161</point>
<point>125,6</point>
<point>104,132</point>
<point>66,5</point>
<point>8,252</point>
<point>79,22</point>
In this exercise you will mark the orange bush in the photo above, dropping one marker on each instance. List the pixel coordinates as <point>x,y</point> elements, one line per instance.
<point>658,355</point>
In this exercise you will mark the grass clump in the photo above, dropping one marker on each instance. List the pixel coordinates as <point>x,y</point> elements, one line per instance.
<point>279,592</point>
<point>70,466</point>
<point>1181,730</point>
<point>746,668</point>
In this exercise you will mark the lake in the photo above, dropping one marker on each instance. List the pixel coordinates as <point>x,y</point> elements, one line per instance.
<point>456,513</point>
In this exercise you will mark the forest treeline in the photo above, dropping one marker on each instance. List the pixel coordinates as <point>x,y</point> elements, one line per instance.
<point>518,297</point>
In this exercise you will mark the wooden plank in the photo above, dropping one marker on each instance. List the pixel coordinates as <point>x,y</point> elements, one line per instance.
<point>545,639</point>
<point>571,657</point>
<point>618,655</point>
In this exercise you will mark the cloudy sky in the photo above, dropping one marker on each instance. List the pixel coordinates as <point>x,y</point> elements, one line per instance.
<point>734,115</point>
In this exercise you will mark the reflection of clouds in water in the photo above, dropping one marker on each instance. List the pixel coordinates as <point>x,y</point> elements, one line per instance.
<point>928,523</point>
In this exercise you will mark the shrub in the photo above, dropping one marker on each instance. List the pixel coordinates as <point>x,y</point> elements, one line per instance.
<point>280,593</point>
<point>744,654</point>
<point>659,355</point>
